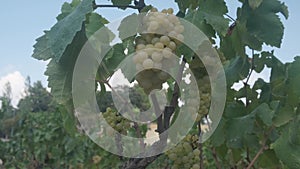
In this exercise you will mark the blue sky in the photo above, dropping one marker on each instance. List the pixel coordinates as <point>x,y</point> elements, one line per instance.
<point>24,21</point>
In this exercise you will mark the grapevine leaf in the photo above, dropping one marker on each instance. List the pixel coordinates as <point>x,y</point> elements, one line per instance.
<point>260,19</point>
<point>114,57</point>
<point>67,8</point>
<point>184,50</point>
<point>60,74</point>
<point>237,128</point>
<point>213,12</point>
<point>64,31</point>
<point>218,137</point>
<point>294,131</point>
<point>198,20</point>
<point>227,48</point>
<point>269,160</point>
<point>185,4</point>
<point>259,83</point>
<point>234,110</point>
<point>121,3</point>
<point>283,115</point>
<point>255,3</point>
<point>241,37</point>
<point>246,91</point>
<point>293,82</point>
<point>94,23</point>
<point>237,69</point>
<point>130,25</point>
<point>41,50</point>
<point>258,27</point>
<point>69,121</point>
<point>251,140</point>
<point>129,46</point>
<point>288,152</point>
<point>259,63</point>
<point>264,112</point>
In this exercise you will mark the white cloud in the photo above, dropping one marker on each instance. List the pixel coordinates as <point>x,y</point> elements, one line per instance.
<point>17,82</point>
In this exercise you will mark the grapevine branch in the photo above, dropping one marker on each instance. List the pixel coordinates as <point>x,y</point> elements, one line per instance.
<point>214,153</point>
<point>117,6</point>
<point>263,147</point>
<point>230,17</point>
<point>139,5</point>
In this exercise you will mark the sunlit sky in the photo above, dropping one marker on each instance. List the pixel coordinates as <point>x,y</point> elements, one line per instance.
<point>24,21</point>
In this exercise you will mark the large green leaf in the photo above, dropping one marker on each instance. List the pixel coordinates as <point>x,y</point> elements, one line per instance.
<point>237,130</point>
<point>129,26</point>
<point>237,69</point>
<point>212,12</point>
<point>287,148</point>
<point>218,137</point>
<point>255,3</point>
<point>293,82</point>
<point>185,4</point>
<point>193,17</point>
<point>235,109</point>
<point>269,160</point>
<point>263,22</point>
<point>60,73</point>
<point>265,113</point>
<point>283,115</point>
<point>64,31</point>
<point>68,8</point>
<point>41,50</point>
<point>94,23</point>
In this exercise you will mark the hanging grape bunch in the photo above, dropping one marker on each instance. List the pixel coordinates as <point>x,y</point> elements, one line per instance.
<point>116,121</point>
<point>154,50</point>
<point>186,154</point>
<point>205,98</point>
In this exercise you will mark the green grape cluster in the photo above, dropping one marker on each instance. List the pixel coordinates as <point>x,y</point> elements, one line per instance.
<point>205,98</point>
<point>154,51</point>
<point>185,155</point>
<point>116,121</point>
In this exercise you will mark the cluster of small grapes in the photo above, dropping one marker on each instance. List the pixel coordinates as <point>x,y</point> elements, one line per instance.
<point>160,35</point>
<point>205,95</point>
<point>205,98</point>
<point>116,121</point>
<point>185,155</point>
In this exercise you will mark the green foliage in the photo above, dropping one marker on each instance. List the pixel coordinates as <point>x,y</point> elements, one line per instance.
<point>37,100</point>
<point>287,146</point>
<point>259,120</point>
<point>42,142</point>
<point>261,19</point>
<point>121,3</point>
<point>66,29</point>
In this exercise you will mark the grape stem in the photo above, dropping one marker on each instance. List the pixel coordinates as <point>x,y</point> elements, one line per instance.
<point>262,149</point>
<point>139,5</point>
<point>214,153</point>
<point>200,145</point>
<point>230,17</point>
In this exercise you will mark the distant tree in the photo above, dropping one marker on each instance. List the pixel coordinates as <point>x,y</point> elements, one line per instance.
<point>37,98</point>
<point>7,112</point>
